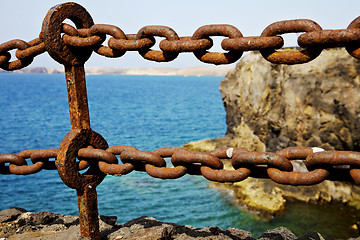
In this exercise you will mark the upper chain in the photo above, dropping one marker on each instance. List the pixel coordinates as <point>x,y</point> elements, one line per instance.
<point>321,165</point>
<point>313,41</point>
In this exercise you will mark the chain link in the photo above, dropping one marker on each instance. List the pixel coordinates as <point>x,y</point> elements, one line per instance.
<point>84,149</point>
<point>321,165</point>
<point>313,41</point>
<point>20,63</point>
<point>291,57</point>
<point>276,166</point>
<point>17,164</point>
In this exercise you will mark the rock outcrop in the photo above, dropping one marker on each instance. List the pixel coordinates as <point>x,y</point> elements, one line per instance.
<point>313,104</point>
<point>18,224</point>
<point>270,107</point>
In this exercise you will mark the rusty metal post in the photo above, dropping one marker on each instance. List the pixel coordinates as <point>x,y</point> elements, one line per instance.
<point>77,95</point>
<point>85,184</point>
<point>81,135</point>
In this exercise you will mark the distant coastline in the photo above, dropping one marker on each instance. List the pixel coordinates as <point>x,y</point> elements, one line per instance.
<point>190,71</point>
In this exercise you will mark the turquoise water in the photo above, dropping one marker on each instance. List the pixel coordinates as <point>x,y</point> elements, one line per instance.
<point>146,112</point>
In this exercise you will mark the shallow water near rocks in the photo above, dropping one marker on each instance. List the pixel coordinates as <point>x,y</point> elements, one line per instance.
<point>147,112</point>
<point>332,220</point>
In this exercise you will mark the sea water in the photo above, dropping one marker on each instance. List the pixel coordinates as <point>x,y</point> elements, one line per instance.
<point>147,112</point>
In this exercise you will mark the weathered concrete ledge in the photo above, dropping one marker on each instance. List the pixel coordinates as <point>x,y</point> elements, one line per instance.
<point>19,224</point>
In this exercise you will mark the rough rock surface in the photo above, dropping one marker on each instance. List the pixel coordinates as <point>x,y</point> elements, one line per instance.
<point>268,198</point>
<point>313,104</point>
<point>18,224</point>
<point>270,107</point>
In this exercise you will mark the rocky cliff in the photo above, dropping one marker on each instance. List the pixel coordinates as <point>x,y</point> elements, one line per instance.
<point>271,107</point>
<point>313,104</point>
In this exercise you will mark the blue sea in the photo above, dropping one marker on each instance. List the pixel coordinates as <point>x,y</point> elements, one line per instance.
<point>147,112</point>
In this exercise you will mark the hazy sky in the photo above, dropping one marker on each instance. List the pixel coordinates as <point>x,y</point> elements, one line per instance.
<point>22,19</point>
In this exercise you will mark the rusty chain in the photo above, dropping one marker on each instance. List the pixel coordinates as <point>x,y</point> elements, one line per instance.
<point>321,165</point>
<point>314,40</point>
<point>83,149</point>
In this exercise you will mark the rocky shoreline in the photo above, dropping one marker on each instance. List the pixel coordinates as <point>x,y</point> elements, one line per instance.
<point>261,116</point>
<point>270,107</point>
<point>19,224</point>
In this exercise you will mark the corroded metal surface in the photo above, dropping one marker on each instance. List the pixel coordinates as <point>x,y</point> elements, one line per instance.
<point>277,166</point>
<point>84,149</point>
<point>52,28</point>
<point>321,165</point>
<point>73,55</point>
<point>75,45</point>
<point>290,57</point>
<point>354,47</point>
<point>77,97</point>
<point>20,63</point>
<point>217,30</point>
<point>85,184</point>
<point>160,31</point>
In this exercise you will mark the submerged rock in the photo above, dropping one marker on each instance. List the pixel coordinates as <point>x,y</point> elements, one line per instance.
<point>270,107</point>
